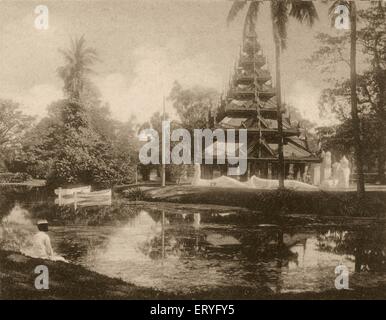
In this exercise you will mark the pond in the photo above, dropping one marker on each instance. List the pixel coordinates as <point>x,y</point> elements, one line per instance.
<point>188,250</point>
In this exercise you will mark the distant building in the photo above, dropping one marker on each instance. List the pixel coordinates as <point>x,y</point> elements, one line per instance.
<point>250,103</point>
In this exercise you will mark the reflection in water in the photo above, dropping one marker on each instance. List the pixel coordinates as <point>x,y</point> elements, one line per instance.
<point>366,247</point>
<point>148,252</point>
<point>197,220</point>
<point>216,239</point>
<point>187,251</point>
<point>134,251</point>
<point>132,241</point>
<point>169,251</point>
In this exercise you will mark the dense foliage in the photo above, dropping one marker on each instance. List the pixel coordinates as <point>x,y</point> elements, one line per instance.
<point>371,90</point>
<point>77,142</point>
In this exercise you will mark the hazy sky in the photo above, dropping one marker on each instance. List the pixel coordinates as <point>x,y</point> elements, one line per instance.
<point>144,46</point>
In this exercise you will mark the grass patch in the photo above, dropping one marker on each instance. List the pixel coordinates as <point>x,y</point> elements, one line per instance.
<point>278,201</point>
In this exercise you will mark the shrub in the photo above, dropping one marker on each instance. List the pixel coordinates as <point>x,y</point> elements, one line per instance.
<point>135,194</point>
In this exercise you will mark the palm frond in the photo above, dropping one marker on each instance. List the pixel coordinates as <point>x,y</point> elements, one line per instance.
<point>303,11</point>
<point>279,12</point>
<point>251,17</point>
<point>78,62</point>
<point>237,6</point>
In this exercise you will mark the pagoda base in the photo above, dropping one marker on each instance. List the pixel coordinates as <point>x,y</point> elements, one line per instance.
<point>299,171</point>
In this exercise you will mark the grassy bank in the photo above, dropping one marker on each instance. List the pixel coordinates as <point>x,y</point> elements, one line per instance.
<point>334,203</point>
<point>66,281</point>
<point>69,281</point>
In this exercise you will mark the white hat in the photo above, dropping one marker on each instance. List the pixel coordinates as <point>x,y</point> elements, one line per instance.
<point>42,221</point>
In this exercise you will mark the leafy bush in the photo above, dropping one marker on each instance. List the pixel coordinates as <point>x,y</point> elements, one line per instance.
<point>72,149</point>
<point>135,194</point>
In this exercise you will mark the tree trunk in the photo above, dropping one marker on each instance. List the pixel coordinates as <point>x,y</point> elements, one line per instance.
<point>381,112</point>
<point>354,107</point>
<point>380,80</point>
<point>279,111</point>
<point>381,165</point>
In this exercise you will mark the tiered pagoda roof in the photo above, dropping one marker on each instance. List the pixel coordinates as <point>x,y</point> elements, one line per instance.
<point>250,103</point>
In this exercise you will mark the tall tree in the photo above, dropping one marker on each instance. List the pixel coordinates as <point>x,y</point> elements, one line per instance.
<point>373,39</point>
<point>78,142</point>
<point>79,60</point>
<point>13,124</point>
<point>368,109</point>
<point>281,11</point>
<point>193,104</point>
<point>354,99</point>
<point>351,6</point>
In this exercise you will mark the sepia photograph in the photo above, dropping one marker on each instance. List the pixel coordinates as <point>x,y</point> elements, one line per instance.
<point>192,150</point>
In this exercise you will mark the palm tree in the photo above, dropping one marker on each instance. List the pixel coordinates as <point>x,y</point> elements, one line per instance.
<point>281,11</point>
<point>354,98</point>
<point>78,62</point>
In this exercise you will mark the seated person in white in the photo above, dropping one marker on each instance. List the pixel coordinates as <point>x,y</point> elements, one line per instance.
<point>41,241</point>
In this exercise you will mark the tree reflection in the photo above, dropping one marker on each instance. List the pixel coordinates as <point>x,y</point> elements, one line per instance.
<point>367,245</point>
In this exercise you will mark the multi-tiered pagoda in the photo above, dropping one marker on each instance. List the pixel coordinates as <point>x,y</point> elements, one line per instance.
<point>250,103</point>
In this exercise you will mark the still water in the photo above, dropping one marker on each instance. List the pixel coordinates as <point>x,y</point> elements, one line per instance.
<point>190,249</point>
